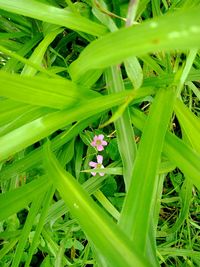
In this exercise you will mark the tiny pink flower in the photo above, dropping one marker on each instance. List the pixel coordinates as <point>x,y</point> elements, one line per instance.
<point>98,142</point>
<point>97,165</point>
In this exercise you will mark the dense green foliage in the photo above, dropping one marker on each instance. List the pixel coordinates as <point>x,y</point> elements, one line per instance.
<point>99,133</point>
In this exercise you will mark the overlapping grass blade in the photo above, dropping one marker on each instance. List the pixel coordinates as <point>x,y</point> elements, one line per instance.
<point>38,54</point>
<point>13,201</point>
<point>10,110</point>
<point>54,15</point>
<point>111,243</point>
<point>33,211</point>
<point>44,126</point>
<point>141,193</point>
<point>186,159</point>
<point>172,31</point>
<point>43,213</point>
<point>190,124</point>
<point>125,133</point>
<point>54,93</point>
<point>30,114</point>
<point>35,157</point>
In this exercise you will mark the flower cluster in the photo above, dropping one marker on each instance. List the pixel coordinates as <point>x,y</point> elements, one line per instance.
<point>99,143</point>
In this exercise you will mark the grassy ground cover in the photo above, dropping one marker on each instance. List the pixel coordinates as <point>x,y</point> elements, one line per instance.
<point>99,133</point>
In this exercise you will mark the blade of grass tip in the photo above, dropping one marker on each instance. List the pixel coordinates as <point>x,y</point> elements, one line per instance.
<point>35,206</point>
<point>101,12</point>
<point>63,17</point>
<point>119,112</point>
<point>105,235</point>
<point>125,133</point>
<point>194,88</point>
<point>140,197</point>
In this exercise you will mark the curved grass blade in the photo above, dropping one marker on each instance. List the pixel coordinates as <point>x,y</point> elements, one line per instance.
<point>54,93</point>
<point>13,201</point>
<point>54,15</point>
<point>36,130</point>
<point>190,124</point>
<point>35,157</point>
<point>125,134</point>
<point>186,159</point>
<point>140,197</point>
<point>178,30</point>
<point>40,50</point>
<point>105,235</point>
<point>33,211</point>
<point>38,230</point>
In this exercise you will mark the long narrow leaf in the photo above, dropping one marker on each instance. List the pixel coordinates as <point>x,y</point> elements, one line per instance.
<point>173,31</point>
<point>54,93</point>
<point>111,242</point>
<point>44,126</point>
<point>13,201</point>
<point>186,159</point>
<point>140,197</point>
<point>51,14</point>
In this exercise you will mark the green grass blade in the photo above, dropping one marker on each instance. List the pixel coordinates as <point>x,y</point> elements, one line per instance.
<point>125,134</point>
<point>10,110</point>
<point>35,206</point>
<point>190,124</point>
<point>54,15</point>
<point>38,230</point>
<point>12,65</point>
<point>113,245</point>
<point>172,31</point>
<point>35,157</point>
<point>140,197</point>
<point>18,57</point>
<point>54,93</point>
<point>7,247</point>
<point>179,153</point>
<point>36,130</point>
<point>38,54</point>
<point>31,114</point>
<point>13,201</point>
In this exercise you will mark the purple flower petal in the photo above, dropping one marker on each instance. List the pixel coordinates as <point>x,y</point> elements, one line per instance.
<point>93,143</point>
<point>101,137</point>
<point>95,138</point>
<point>104,143</point>
<point>101,174</point>
<point>99,159</point>
<point>100,148</point>
<point>92,164</point>
<point>93,173</point>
